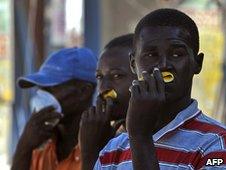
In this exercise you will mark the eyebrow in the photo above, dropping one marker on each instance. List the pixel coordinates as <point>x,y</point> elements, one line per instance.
<point>149,47</point>
<point>179,41</point>
<point>111,70</point>
<point>115,70</point>
<point>179,45</point>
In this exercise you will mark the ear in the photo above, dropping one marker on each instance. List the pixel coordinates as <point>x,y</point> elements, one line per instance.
<point>87,91</point>
<point>132,62</point>
<point>198,63</point>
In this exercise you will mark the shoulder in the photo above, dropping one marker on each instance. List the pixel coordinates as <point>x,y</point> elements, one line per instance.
<point>207,138</point>
<point>205,125</point>
<point>203,118</point>
<point>121,142</point>
<point>116,151</point>
<point>212,133</point>
<point>213,149</point>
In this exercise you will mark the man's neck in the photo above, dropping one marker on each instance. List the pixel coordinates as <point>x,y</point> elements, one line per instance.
<point>67,134</point>
<point>171,110</point>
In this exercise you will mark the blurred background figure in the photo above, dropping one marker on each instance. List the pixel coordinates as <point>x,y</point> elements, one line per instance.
<point>65,86</point>
<point>29,30</point>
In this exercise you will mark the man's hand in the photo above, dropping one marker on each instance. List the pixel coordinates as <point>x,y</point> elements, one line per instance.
<point>147,98</point>
<point>95,131</point>
<point>37,130</point>
<point>40,127</point>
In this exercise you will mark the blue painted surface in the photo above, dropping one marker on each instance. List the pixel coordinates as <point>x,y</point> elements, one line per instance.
<point>92,27</point>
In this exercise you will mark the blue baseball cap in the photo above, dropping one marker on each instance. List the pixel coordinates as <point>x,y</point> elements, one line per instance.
<point>61,66</point>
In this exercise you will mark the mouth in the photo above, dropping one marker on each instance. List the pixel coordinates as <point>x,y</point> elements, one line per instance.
<point>109,93</point>
<point>167,77</point>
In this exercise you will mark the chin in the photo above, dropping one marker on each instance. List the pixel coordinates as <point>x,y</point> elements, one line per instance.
<point>170,97</point>
<point>118,113</point>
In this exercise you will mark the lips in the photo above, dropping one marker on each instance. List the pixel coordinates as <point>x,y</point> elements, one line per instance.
<point>110,93</point>
<point>167,77</point>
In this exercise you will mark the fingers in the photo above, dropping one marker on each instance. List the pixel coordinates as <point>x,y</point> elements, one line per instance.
<point>104,108</point>
<point>91,113</point>
<point>47,116</point>
<point>44,110</point>
<point>45,134</point>
<point>49,126</point>
<point>143,87</point>
<point>100,105</point>
<point>85,115</point>
<point>159,81</point>
<point>41,125</point>
<point>135,89</point>
<point>109,108</point>
<point>96,115</point>
<point>43,113</point>
<point>150,82</point>
<point>46,119</point>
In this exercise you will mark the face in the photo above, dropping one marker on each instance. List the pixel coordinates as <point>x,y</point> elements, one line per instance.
<point>167,48</point>
<point>113,72</point>
<point>69,95</point>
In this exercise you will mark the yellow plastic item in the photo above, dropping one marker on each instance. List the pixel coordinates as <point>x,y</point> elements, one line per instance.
<point>167,77</point>
<point>112,94</point>
<point>141,78</point>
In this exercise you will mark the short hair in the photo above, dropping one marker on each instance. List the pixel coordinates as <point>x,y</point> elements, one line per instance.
<point>121,41</point>
<point>170,17</point>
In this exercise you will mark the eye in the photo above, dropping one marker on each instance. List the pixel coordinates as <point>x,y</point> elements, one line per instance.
<point>98,76</point>
<point>176,55</point>
<point>178,52</point>
<point>116,76</point>
<point>150,55</point>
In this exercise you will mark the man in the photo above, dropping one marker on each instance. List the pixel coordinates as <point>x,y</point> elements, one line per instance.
<point>166,129</point>
<point>49,140</point>
<point>113,73</point>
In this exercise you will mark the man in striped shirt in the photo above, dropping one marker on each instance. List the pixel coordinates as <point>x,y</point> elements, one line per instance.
<point>166,130</point>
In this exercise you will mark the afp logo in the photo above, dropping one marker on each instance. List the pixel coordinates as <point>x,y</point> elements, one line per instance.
<point>214,162</point>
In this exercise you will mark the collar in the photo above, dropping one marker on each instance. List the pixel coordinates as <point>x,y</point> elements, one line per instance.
<point>74,155</point>
<point>188,113</point>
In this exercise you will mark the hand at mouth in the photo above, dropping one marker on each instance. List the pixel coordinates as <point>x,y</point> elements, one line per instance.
<point>167,76</point>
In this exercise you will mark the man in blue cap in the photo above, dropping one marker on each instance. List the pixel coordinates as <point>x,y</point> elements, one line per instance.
<point>49,140</point>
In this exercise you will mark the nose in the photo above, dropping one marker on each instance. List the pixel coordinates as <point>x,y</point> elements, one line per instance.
<point>163,62</point>
<point>104,85</point>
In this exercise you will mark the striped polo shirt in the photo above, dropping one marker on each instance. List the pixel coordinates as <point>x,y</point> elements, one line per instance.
<point>190,141</point>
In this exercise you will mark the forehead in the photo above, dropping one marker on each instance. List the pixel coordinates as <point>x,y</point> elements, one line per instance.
<point>113,58</point>
<point>163,34</point>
